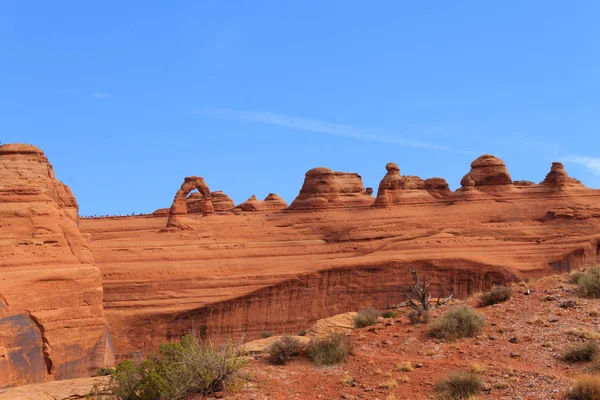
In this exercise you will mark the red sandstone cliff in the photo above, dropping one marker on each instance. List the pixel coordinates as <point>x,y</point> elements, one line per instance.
<point>253,272</point>
<point>51,316</point>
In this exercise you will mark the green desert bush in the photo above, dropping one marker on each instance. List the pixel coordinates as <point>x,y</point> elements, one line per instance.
<point>266,334</point>
<point>105,371</point>
<point>459,385</point>
<point>586,351</point>
<point>366,317</point>
<point>458,322</point>
<point>389,314</point>
<point>331,350</point>
<point>497,295</point>
<point>589,282</point>
<point>178,370</point>
<point>585,388</point>
<point>302,332</point>
<point>283,350</point>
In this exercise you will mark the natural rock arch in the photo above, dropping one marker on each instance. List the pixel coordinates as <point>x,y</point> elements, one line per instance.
<point>178,210</point>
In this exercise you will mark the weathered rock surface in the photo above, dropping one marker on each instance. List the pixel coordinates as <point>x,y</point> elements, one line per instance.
<point>221,202</point>
<point>51,316</point>
<point>279,271</point>
<point>270,203</point>
<point>179,209</point>
<point>397,189</point>
<point>487,172</point>
<point>325,189</point>
<point>558,177</point>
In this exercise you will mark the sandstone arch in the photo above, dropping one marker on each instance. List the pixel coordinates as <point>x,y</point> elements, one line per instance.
<point>178,210</point>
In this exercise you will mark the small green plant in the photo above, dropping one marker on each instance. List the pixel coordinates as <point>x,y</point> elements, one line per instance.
<point>585,388</point>
<point>283,350</point>
<point>366,317</point>
<point>266,334</point>
<point>586,351</point>
<point>302,332</point>
<point>458,322</point>
<point>388,314</point>
<point>105,371</point>
<point>589,282</point>
<point>178,370</point>
<point>459,385</point>
<point>329,351</point>
<point>497,295</point>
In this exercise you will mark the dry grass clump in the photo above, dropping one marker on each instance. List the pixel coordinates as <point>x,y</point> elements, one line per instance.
<point>459,385</point>
<point>585,388</point>
<point>497,295</point>
<point>583,333</point>
<point>366,317</point>
<point>329,351</point>
<point>283,350</point>
<point>458,322</point>
<point>586,351</point>
<point>589,282</point>
<point>405,366</point>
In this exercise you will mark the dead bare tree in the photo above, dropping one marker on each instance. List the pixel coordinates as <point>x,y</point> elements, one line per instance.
<point>419,295</point>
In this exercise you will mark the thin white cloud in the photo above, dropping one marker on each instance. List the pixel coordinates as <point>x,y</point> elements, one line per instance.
<point>101,95</point>
<point>591,163</point>
<point>324,127</point>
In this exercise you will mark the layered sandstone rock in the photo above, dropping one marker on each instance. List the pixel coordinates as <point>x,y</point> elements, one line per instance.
<point>221,202</point>
<point>397,189</point>
<point>270,203</point>
<point>51,316</point>
<point>559,178</point>
<point>487,172</point>
<point>324,189</point>
<point>179,208</point>
<point>282,271</point>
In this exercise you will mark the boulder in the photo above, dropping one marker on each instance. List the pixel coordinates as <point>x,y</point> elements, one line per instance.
<point>487,171</point>
<point>324,189</point>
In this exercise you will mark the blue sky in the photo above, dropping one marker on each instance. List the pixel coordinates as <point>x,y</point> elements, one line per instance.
<point>127,98</point>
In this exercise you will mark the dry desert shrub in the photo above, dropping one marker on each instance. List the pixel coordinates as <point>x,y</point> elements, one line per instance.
<point>459,385</point>
<point>497,295</point>
<point>283,350</point>
<point>586,351</point>
<point>589,282</point>
<point>179,370</point>
<point>331,350</point>
<point>458,322</point>
<point>585,388</point>
<point>366,317</point>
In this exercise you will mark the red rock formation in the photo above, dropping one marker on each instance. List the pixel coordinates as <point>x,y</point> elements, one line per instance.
<point>524,183</point>
<point>487,172</point>
<point>270,203</point>
<point>324,189</point>
<point>51,316</point>
<point>397,189</point>
<point>161,212</point>
<point>558,178</point>
<point>221,202</point>
<point>437,185</point>
<point>178,211</point>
